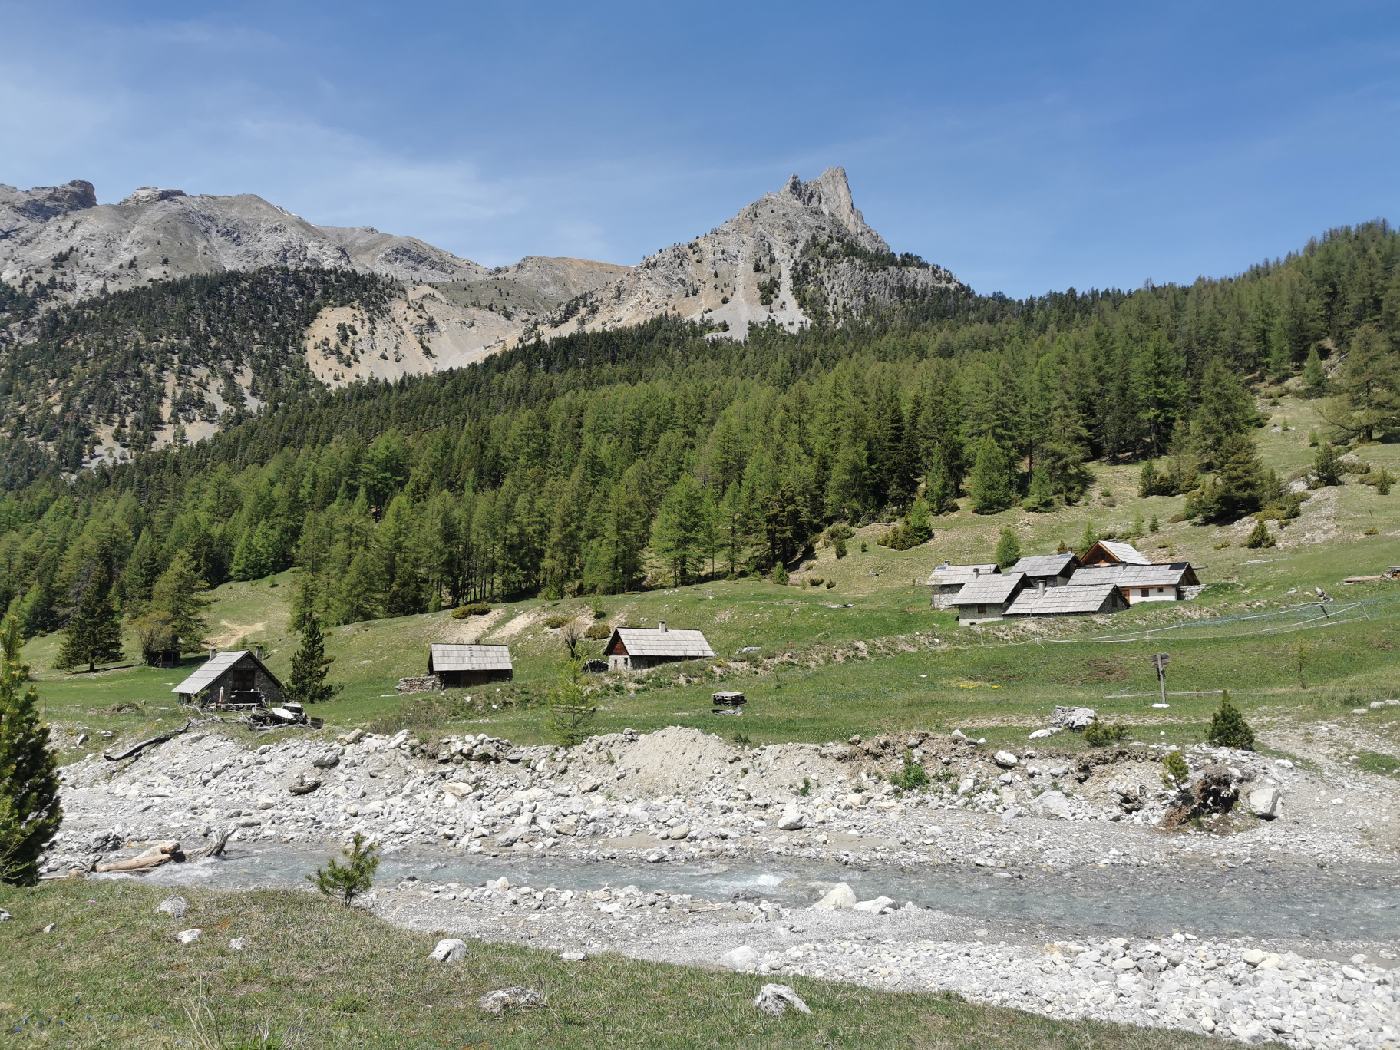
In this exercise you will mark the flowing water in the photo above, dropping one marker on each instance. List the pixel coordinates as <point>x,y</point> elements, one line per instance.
<point>1355,903</point>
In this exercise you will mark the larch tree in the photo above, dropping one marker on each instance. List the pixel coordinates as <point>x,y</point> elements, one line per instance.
<point>30,813</point>
<point>93,633</point>
<point>308,683</point>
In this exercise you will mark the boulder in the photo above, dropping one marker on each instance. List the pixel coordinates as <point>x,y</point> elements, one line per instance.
<point>175,907</point>
<point>512,998</point>
<point>450,950</point>
<point>838,897</point>
<point>1041,734</point>
<point>791,819</point>
<point>189,936</point>
<point>777,999</point>
<point>742,958</point>
<point>1005,759</point>
<point>1263,802</point>
<point>875,906</point>
<point>1076,718</point>
<point>1051,804</point>
<point>5,916</point>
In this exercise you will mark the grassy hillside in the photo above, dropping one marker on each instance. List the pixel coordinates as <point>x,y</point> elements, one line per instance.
<point>810,681</point>
<point>115,975</point>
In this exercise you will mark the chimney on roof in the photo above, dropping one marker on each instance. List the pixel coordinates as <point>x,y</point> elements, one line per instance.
<point>258,652</point>
<point>1040,586</point>
<point>661,625</point>
<point>211,652</point>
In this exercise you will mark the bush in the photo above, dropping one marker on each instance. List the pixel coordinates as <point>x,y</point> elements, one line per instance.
<point>556,622</point>
<point>570,719</point>
<point>1259,537</point>
<point>598,632</point>
<point>474,609</point>
<point>347,881</point>
<point>830,584</point>
<point>600,614</point>
<point>1175,772</point>
<point>1102,734</point>
<point>1228,727</point>
<point>780,575</point>
<point>911,776</point>
<point>815,581</point>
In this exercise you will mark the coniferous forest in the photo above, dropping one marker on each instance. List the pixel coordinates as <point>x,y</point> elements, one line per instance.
<point>661,454</point>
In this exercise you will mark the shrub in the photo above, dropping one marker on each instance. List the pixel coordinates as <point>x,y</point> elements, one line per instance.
<point>474,609</point>
<point>780,575</point>
<point>556,622</point>
<point>1175,772</point>
<point>1260,536</point>
<point>598,632</point>
<point>911,776</point>
<point>1228,727</point>
<point>815,581</point>
<point>600,614</point>
<point>1102,734</point>
<point>347,881</point>
<point>570,719</point>
<point>830,584</point>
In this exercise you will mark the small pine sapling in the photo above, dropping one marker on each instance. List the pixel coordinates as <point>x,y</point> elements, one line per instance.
<point>347,881</point>
<point>1228,727</point>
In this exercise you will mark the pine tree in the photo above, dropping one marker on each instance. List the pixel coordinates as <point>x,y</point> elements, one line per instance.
<point>677,535</point>
<point>1327,465</point>
<point>347,881</point>
<point>30,813</point>
<point>1228,727</point>
<point>992,483</point>
<point>1008,550</point>
<point>1237,487</point>
<point>1225,410</point>
<point>1369,385</point>
<point>93,633</point>
<point>310,668</point>
<point>177,604</point>
<point>1314,378</point>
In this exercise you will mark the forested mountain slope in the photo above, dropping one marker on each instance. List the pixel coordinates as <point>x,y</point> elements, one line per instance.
<point>602,461</point>
<point>133,325</point>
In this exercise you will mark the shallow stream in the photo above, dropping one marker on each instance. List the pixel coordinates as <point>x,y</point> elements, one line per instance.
<point>1351,903</point>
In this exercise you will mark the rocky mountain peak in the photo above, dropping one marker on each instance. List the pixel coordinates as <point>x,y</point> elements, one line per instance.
<point>48,202</point>
<point>151,195</point>
<point>830,193</point>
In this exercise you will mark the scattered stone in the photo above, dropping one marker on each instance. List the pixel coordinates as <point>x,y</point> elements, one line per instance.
<point>5,916</point>
<point>573,956</point>
<point>303,786</point>
<point>515,997</point>
<point>237,944</point>
<point>175,907</point>
<point>1006,760</point>
<point>742,958</point>
<point>50,927</point>
<point>876,906</point>
<point>189,936</point>
<point>777,999</point>
<point>450,950</point>
<point>1051,804</point>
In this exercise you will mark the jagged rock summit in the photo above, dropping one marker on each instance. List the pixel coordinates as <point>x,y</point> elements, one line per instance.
<point>798,255</point>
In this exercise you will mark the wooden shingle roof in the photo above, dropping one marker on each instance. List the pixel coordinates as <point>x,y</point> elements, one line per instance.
<point>1172,575</point>
<point>1062,601</point>
<point>657,641</point>
<point>212,668</point>
<point>451,656</point>
<point>1115,552</point>
<point>1034,565</point>
<point>995,589</point>
<point>957,575</point>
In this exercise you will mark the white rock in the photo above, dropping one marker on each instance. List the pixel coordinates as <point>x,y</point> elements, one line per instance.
<point>175,907</point>
<point>1253,956</point>
<point>1051,804</point>
<point>741,958</point>
<point>573,956</point>
<point>450,950</point>
<point>237,944</point>
<point>1263,802</point>
<point>1005,759</point>
<point>839,896</point>
<point>5,916</point>
<point>189,936</point>
<point>1041,734</point>
<point>503,999</point>
<point>791,819</point>
<point>778,999</point>
<point>875,906</point>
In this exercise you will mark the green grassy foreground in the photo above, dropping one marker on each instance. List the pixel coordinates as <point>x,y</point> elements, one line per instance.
<point>316,975</point>
<point>805,683</point>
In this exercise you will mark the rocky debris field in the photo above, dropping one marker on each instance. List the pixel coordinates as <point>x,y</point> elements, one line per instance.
<point>1075,834</point>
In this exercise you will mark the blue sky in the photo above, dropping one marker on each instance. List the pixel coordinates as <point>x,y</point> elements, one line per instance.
<point>1028,147</point>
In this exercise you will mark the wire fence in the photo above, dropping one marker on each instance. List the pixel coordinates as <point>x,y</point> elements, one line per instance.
<point>1307,616</point>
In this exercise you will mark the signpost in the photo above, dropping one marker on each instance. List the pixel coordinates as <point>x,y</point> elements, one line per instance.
<point>1159,662</point>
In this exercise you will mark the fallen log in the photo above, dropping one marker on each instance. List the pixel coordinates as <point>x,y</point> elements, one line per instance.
<point>158,854</point>
<point>215,849</point>
<point>151,741</point>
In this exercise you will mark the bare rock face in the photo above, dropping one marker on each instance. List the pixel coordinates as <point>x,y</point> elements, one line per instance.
<point>42,203</point>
